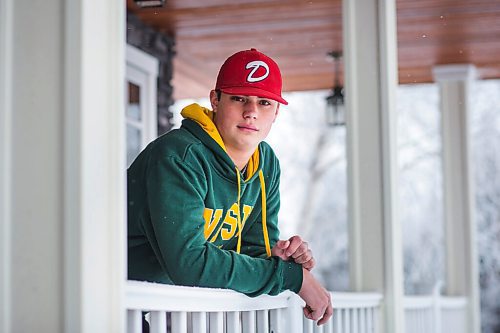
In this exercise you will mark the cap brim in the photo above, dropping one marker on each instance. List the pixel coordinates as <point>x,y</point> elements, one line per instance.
<point>253,91</point>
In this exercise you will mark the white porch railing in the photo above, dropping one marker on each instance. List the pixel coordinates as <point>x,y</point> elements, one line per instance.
<point>179,309</point>
<point>435,313</point>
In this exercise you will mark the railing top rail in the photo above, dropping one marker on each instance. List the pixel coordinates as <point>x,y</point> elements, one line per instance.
<point>446,302</point>
<point>355,300</point>
<point>161,297</point>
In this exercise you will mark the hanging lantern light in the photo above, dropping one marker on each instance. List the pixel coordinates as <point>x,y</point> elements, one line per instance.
<point>149,3</point>
<point>335,108</point>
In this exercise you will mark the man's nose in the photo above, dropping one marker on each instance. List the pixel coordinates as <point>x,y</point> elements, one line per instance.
<point>250,110</point>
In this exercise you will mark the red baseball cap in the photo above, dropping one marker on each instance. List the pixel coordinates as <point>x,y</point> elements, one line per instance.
<point>250,73</point>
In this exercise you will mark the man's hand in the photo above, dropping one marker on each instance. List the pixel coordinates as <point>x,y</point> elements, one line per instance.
<point>294,249</point>
<point>318,301</point>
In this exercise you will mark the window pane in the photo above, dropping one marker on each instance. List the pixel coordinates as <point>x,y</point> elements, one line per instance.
<point>134,102</point>
<point>133,143</point>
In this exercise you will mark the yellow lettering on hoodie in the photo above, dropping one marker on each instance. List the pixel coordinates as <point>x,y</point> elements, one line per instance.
<point>230,223</point>
<point>211,223</point>
<point>246,212</point>
<point>231,220</point>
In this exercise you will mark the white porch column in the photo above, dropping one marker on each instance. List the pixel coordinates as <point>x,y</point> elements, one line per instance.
<point>6,44</point>
<point>370,55</point>
<point>462,273</point>
<point>62,177</point>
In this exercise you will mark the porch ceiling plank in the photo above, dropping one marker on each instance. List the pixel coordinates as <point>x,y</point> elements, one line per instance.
<point>299,33</point>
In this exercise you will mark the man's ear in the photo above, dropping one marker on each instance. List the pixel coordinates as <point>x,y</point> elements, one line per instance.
<point>277,112</point>
<point>214,101</point>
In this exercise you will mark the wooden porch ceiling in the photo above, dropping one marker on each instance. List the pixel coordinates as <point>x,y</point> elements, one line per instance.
<point>299,33</point>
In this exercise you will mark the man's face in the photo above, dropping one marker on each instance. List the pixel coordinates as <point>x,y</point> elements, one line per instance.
<point>243,121</point>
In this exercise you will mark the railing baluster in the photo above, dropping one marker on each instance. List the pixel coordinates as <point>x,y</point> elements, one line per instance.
<point>370,326</point>
<point>248,321</point>
<point>307,325</point>
<point>347,321</point>
<point>262,321</point>
<point>329,326</point>
<point>158,322</point>
<point>233,322</point>
<point>216,322</point>
<point>338,321</point>
<point>199,320</point>
<point>275,321</point>
<point>355,320</point>
<point>179,323</point>
<point>134,321</point>
<point>362,320</point>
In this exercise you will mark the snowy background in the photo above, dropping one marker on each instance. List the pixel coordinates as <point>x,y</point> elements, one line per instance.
<point>314,193</point>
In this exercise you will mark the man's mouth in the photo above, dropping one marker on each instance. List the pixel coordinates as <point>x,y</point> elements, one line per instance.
<point>248,128</point>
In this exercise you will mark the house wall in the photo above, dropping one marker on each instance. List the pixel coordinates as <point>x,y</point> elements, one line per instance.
<point>161,47</point>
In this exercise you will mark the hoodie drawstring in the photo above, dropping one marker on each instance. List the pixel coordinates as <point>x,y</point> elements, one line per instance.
<point>240,228</point>
<point>264,213</point>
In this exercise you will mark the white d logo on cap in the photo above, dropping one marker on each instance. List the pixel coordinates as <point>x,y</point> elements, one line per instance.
<point>256,64</point>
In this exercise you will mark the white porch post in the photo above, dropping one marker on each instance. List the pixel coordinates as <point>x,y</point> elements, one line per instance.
<point>6,44</point>
<point>62,177</point>
<point>94,165</point>
<point>462,273</point>
<point>370,55</point>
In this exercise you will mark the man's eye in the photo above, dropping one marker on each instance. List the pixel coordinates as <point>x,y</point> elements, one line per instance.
<point>237,98</point>
<point>265,102</point>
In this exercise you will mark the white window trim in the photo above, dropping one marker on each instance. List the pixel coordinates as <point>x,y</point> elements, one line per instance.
<point>138,60</point>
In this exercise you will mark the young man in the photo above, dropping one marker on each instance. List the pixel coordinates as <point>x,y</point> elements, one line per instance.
<point>203,200</point>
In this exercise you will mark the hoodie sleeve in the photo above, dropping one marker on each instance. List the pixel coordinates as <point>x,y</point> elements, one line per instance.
<point>176,201</point>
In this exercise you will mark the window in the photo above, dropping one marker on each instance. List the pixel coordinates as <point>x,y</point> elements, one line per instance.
<point>141,110</point>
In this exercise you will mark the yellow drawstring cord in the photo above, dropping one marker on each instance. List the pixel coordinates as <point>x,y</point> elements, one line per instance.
<point>264,213</point>
<point>238,247</point>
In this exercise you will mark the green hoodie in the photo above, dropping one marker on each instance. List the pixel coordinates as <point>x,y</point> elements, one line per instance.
<point>184,221</point>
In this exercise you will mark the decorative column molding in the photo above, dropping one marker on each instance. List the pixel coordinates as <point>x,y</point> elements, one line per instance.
<point>462,272</point>
<point>370,54</point>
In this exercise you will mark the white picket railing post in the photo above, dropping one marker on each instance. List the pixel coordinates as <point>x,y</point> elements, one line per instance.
<point>276,321</point>
<point>233,322</point>
<point>134,321</point>
<point>294,314</point>
<point>179,323</point>
<point>216,320</point>
<point>199,322</point>
<point>158,321</point>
